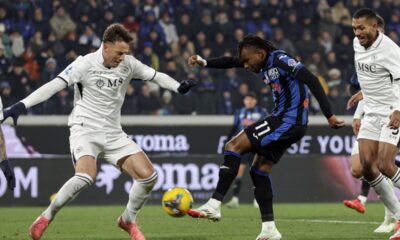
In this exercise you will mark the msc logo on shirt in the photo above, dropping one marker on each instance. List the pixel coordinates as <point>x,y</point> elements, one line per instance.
<point>366,67</point>
<point>110,83</point>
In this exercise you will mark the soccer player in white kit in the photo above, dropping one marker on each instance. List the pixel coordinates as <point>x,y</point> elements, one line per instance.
<point>5,164</point>
<point>101,79</point>
<point>378,71</point>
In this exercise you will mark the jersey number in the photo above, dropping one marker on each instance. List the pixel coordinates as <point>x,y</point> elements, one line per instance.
<point>261,129</point>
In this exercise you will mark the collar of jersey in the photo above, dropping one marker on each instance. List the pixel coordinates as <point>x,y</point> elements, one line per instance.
<point>378,40</point>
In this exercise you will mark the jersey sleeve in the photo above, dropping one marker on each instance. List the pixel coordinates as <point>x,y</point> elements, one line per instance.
<point>74,72</point>
<point>141,71</point>
<point>393,63</point>
<point>288,63</point>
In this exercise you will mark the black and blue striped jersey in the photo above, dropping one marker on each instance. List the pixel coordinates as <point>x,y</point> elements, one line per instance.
<point>291,96</point>
<point>290,82</point>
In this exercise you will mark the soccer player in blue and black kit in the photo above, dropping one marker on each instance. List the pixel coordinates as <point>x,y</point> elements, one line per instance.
<point>244,117</point>
<point>269,138</point>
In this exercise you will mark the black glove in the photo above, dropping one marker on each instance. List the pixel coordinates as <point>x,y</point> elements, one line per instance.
<point>14,111</point>
<point>8,173</point>
<point>186,85</point>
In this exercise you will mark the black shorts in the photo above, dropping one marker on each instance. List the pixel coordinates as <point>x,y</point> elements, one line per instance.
<point>271,137</point>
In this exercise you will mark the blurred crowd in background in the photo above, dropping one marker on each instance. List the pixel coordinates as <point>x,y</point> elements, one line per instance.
<point>39,38</point>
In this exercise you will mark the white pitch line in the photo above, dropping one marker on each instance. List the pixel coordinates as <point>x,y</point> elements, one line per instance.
<point>328,221</point>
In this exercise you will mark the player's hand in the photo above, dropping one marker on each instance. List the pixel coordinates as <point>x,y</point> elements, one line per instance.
<point>356,124</point>
<point>14,111</point>
<point>335,123</point>
<point>186,85</point>
<point>394,122</point>
<point>196,60</point>
<point>8,173</point>
<point>354,99</point>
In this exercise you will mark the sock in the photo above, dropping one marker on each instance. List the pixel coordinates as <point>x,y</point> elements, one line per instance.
<point>263,193</point>
<point>237,185</point>
<point>138,196</point>
<point>396,178</point>
<point>364,188</point>
<point>386,194</point>
<point>388,215</point>
<point>268,226</point>
<point>67,193</point>
<point>363,199</point>
<point>227,173</point>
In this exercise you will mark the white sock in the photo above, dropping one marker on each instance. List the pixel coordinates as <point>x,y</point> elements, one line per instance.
<point>138,196</point>
<point>67,193</point>
<point>396,178</point>
<point>268,226</point>
<point>386,194</point>
<point>214,203</point>
<point>363,199</point>
<point>388,215</point>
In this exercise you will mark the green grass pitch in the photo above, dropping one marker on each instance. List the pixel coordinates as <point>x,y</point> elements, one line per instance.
<point>294,221</point>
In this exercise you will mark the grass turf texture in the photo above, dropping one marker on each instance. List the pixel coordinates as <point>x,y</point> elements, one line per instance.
<point>295,222</point>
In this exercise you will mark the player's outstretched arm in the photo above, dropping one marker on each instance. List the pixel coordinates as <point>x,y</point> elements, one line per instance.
<point>354,99</point>
<point>40,95</point>
<point>305,76</point>
<point>167,82</point>
<point>5,164</point>
<point>219,62</point>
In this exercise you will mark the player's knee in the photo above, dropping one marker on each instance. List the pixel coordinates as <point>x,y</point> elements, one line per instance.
<point>356,172</point>
<point>233,145</point>
<point>150,181</point>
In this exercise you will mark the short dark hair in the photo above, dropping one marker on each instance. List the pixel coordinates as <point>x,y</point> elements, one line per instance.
<point>252,40</point>
<point>251,94</point>
<point>116,32</point>
<point>380,21</point>
<point>367,13</point>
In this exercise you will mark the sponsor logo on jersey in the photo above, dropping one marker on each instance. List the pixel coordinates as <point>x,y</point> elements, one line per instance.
<point>273,74</point>
<point>364,67</point>
<point>100,83</point>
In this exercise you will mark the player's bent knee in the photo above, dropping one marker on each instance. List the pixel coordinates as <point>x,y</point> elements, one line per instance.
<point>233,146</point>
<point>356,173</point>
<point>150,181</point>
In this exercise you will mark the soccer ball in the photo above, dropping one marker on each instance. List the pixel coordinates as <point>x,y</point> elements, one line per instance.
<point>177,201</point>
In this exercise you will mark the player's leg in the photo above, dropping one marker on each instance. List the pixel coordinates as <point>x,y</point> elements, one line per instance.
<point>237,184</point>
<point>387,154</point>
<point>237,146</point>
<point>260,175</point>
<point>124,153</point>
<point>369,155</point>
<point>358,204</point>
<point>85,174</point>
<point>139,167</point>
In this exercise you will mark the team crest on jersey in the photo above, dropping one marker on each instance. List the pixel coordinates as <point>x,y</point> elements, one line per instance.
<point>273,74</point>
<point>100,83</point>
<point>124,69</point>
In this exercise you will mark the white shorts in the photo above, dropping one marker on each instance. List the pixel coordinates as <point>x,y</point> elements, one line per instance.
<point>355,150</point>
<point>113,145</point>
<point>376,128</point>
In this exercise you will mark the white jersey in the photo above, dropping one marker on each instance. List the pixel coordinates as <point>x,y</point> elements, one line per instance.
<point>378,71</point>
<point>100,91</point>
